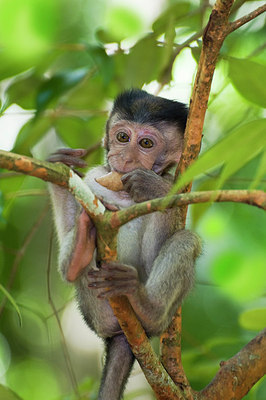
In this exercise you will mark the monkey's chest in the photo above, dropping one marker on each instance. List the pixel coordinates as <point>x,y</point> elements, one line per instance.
<point>129,244</point>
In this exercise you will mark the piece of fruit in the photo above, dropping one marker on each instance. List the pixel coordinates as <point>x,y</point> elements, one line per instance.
<point>111,181</point>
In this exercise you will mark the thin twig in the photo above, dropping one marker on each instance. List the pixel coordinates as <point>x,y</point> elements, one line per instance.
<point>26,192</point>
<point>258,50</point>
<point>249,17</point>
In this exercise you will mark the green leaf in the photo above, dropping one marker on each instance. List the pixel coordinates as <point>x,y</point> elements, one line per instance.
<point>240,276</point>
<point>58,84</point>
<point>88,95</point>
<point>10,68</point>
<point>198,210</point>
<point>143,64</point>
<point>261,171</point>
<point>195,51</point>
<point>254,319</point>
<point>7,394</point>
<point>27,28</point>
<point>178,11</point>
<point>249,79</point>
<point>30,134</point>
<point>105,36</point>
<point>23,91</point>
<point>232,152</point>
<point>122,23</point>
<point>103,62</point>
<point>12,301</point>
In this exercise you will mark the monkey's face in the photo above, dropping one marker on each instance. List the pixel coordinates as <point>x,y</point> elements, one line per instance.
<point>133,145</point>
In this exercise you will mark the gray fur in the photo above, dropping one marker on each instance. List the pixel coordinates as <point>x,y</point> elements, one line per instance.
<point>156,257</point>
<point>163,254</point>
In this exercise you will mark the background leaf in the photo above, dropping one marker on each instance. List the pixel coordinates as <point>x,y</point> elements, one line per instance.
<point>253,140</point>
<point>250,85</point>
<point>7,394</point>
<point>254,319</point>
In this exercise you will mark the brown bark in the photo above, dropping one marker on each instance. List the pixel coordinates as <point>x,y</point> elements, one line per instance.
<point>237,375</point>
<point>54,173</point>
<point>241,21</point>
<point>170,350</point>
<point>213,37</point>
<point>252,197</point>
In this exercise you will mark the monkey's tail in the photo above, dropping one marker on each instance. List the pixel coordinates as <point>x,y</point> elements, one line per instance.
<point>118,364</point>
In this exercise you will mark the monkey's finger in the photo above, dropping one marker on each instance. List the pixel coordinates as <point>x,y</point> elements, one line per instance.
<point>136,173</point>
<point>68,160</point>
<point>119,291</point>
<point>72,152</point>
<point>126,177</point>
<point>117,266</point>
<point>108,276</point>
<point>113,284</point>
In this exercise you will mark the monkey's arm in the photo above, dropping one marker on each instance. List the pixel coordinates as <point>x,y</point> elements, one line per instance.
<point>75,230</point>
<point>170,279</point>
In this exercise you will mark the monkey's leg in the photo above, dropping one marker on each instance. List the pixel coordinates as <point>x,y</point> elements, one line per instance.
<point>118,364</point>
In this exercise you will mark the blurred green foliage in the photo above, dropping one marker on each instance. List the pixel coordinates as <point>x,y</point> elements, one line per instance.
<point>63,62</point>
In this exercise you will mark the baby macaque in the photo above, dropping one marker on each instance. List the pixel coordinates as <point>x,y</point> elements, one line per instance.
<point>156,257</point>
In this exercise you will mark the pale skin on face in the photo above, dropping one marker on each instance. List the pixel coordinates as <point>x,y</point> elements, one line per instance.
<point>141,146</point>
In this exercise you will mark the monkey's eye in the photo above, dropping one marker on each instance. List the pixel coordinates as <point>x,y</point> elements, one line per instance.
<point>146,143</point>
<point>122,137</point>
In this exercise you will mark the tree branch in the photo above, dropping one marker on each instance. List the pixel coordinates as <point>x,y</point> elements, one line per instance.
<point>213,38</point>
<point>252,197</point>
<point>237,375</point>
<point>61,175</point>
<point>241,21</point>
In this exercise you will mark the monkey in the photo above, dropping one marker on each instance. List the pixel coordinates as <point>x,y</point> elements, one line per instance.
<point>156,256</point>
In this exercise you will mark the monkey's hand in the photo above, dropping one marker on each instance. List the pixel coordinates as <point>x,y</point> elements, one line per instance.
<point>70,157</point>
<point>143,184</point>
<point>114,279</point>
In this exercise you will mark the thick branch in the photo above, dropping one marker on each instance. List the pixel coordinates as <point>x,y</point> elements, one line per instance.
<point>237,375</point>
<point>54,173</point>
<point>58,174</point>
<point>156,375</point>
<point>170,341</point>
<point>241,21</point>
<point>213,38</point>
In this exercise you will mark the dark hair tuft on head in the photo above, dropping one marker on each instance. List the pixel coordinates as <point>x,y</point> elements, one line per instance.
<point>139,106</point>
